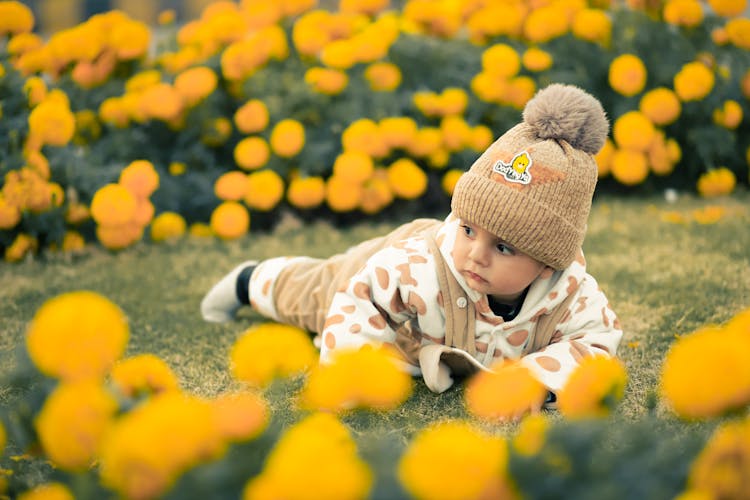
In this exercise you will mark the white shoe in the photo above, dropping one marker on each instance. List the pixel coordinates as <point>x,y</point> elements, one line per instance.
<point>220,304</point>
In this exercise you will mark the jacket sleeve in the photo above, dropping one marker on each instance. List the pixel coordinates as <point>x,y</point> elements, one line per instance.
<point>393,287</point>
<point>590,327</point>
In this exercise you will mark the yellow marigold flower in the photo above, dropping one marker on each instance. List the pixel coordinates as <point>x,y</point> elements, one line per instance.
<point>143,374</point>
<point>119,236</point>
<point>142,81</point>
<point>519,389</point>
<point>519,91</point>
<point>113,111</point>
<point>693,82</point>
<point>73,241</point>
<point>52,123</point>
<point>21,43</point>
<point>729,115</point>
<point>216,131</point>
<point>342,195</point>
<point>383,76</point>
<point>376,193</point>
<point>35,89</point>
<point>140,178</point>
<point>454,449</point>
<point>322,440</point>
<point>230,220</point>
<point>73,421</point>
<point>252,153</point>
<point>707,373</point>
<point>364,135</point>
<point>168,226</point>
<point>166,17</point>
<point>659,158</point>
<point>10,215</point>
<point>594,388</point>
<point>660,105</point>
<point>200,230</point>
<point>450,178</point>
<point>633,131</point>
<point>501,60</point>
<point>144,212</point>
<point>545,23</point>
<point>231,186</point>
<point>269,351</point>
<point>309,34</point>
<point>240,416</point>
<point>480,138</point>
<point>531,434</point>
<point>327,81</point>
<point>77,335</point>
<point>453,101</point>
<point>604,158</point>
<point>627,74</point>
<point>339,54</point>
<point>738,32</point>
<point>369,7</point>
<point>130,39</point>
<point>427,141</point>
<point>361,378</point>
<point>76,213</point>
<point>722,468</point>
<point>536,60</point>
<point>15,17</point>
<point>113,204</point>
<point>407,179</point>
<point>353,166</point>
<point>306,192</point>
<point>427,102</point>
<point>47,491</point>
<point>177,168</point>
<point>22,246</point>
<point>728,8</point>
<point>456,132</point>
<point>687,13</point>
<point>251,117</point>
<point>265,189</point>
<point>593,25</point>
<point>629,167</point>
<point>397,131</point>
<point>716,182</point>
<point>150,446</point>
<point>287,138</point>
<point>496,19</point>
<point>195,84</point>
<point>162,102</point>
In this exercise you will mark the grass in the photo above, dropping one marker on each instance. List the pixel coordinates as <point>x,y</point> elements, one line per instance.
<point>662,278</point>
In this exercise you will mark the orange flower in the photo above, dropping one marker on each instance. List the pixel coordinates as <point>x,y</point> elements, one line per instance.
<point>661,106</point>
<point>339,54</point>
<point>162,102</point>
<point>353,166</point>
<point>364,135</point>
<point>143,374</point>
<point>168,226</point>
<point>450,178</point>
<point>594,388</point>
<point>251,117</point>
<point>593,25</point>
<point>738,32</point>
<point>265,189</point>
<point>406,179</point>
<point>15,17</point>
<point>629,167</point>
<point>306,192</point>
<point>520,392</point>
<point>52,123</point>
<point>119,236</point>
<point>10,215</point>
<point>140,178</point>
<point>687,13</point>
<point>693,82</point>
<point>251,153</point>
<point>397,132</point>
<point>633,131</point>
<point>231,186</point>
<point>113,204</point>
<point>456,132</point>
<point>326,80</point>
<point>545,23</point>
<point>536,59</point>
<point>22,245</point>
<point>716,182</point>
<point>729,115</point>
<point>627,74</point>
<point>130,39</point>
<point>728,8</point>
<point>230,220</point>
<point>341,195</point>
<point>287,138</point>
<point>240,416</point>
<point>195,84</point>
<point>382,76</point>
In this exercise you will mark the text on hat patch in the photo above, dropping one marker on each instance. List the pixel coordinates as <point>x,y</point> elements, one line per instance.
<point>517,170</point>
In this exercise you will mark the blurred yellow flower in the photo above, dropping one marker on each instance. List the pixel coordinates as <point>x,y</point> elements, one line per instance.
<point>376,193</point>
<point>10,215</point>
<point>633,130</point>
<point>177,168</point>
<point>428,103</point>
<point>707,373</point>
<point>722,468</point>
<point>287,138</point>
<point>252,153</point>
<point>327,81</point>
<point>73,421</point>
<point>364,135</point>
<point>716,182</point>
<point>710,214</point>
<point>661,106</point>
<point>450,178</point>
<point>407,179</point>
<point>162,102</point>
<point>318,439</point>
<point>693,82</point>
<point>339,54</point>
<point>426,141</point>
<point>77,335</point>
<point>200,230</point>
<point>530,435</point>
<point>240,416</point>
<point>265,188</point>
<point>23,42</point>
<point>383,76</point>
<point>151,445</point>
<point>397,131</point>
<point>738,32</point>
<point>353,166</point>
<point>113,204</point>
<point>251,117</point>
<point>168,226</point>
<point>119,236</point>
<point>604,158</point>
<point>627,74</point>
<point>593,25</point>
<point>230,220</point>
<point>15,17</point>
<point>456,132</point>
<point>231,186</point>
<point>130,39</point>
<point>47,491</point>
<point>629,167</point>
<point>728,8</point>
<point>73,241</point>
<point>142,81</point>
<point>35,90</point>
<point>594,388</point>
<point>455,449</point>
<point>480,138</point>
<point>195,84</point>
<point>22,245</point>
<point>729,115</point>
<point>269,351</point>
<point>306,192</point>
<point>660,158</point>
<point>342,195</point>
<point>536,59</point>
<point>518,91</point>
<point>545,23</point>
<point>143,374</point>
<point>52,123</point>
<point>361,378</point>
<point>506,393</point>
<point>140,178</point>
<point>687,13</point>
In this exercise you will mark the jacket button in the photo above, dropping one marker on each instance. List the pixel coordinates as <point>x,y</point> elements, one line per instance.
<point>461,302</point>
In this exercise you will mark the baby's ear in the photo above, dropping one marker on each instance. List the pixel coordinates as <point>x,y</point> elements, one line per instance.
<point>547,272</point>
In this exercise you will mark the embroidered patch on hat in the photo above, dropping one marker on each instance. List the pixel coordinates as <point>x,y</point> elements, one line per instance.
<point>517,170</point>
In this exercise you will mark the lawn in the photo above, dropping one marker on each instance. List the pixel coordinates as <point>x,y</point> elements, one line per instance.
<point>667,268</point>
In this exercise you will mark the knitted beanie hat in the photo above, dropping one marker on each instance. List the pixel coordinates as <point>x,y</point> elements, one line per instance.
<point>533,186</point>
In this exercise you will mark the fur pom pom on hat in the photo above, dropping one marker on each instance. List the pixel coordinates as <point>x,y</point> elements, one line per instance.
<point>533,186</point>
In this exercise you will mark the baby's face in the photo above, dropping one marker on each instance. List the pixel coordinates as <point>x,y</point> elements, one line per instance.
<point>491,266</point>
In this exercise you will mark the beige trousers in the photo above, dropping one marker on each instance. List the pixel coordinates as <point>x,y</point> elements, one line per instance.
<point>304,289</point>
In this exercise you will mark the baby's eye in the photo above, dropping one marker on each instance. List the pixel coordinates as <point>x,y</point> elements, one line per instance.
<point>468,230</point>
<point>505,249</point>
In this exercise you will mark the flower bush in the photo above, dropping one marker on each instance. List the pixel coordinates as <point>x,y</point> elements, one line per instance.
<point>366,110</point>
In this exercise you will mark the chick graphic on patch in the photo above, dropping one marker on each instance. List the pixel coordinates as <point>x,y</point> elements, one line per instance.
<point>517,170</point>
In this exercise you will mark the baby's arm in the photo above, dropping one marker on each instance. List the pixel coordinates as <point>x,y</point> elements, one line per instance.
<point>591,328</point>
